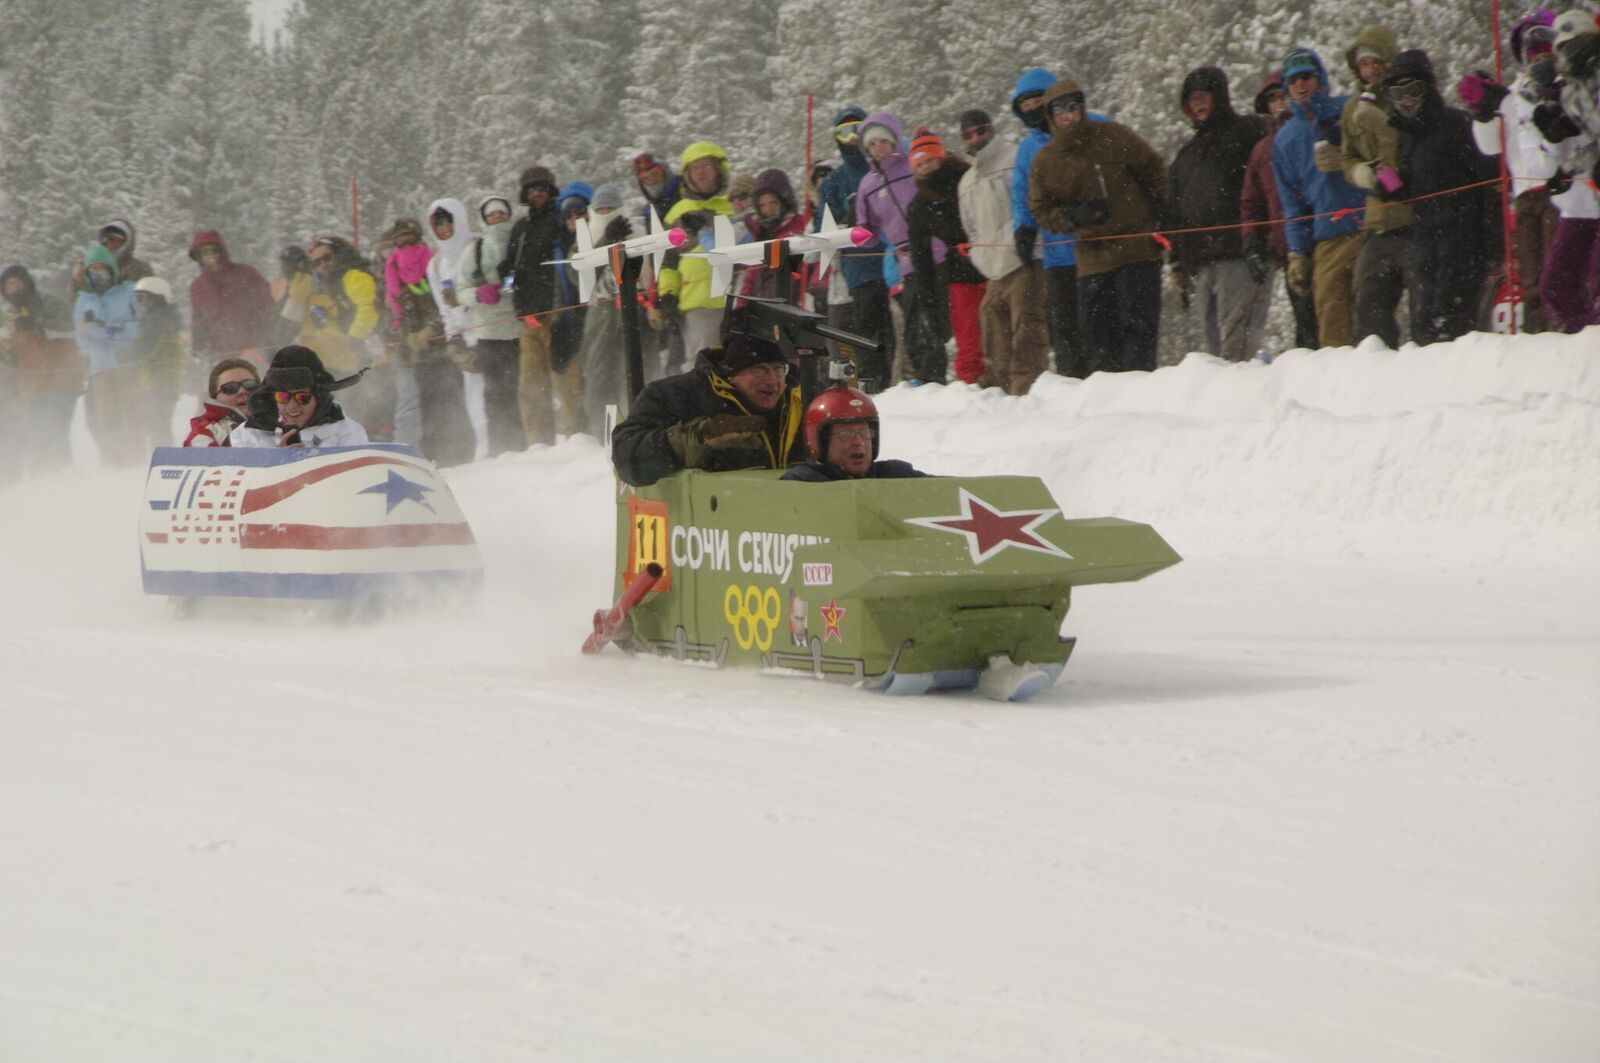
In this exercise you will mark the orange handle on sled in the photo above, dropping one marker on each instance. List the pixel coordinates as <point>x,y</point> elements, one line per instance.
<point>608,622</point>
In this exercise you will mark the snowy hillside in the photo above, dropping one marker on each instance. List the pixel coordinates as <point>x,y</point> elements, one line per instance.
<point>1328,790</point>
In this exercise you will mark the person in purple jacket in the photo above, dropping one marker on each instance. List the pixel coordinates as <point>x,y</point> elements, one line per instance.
<point>883,205</point>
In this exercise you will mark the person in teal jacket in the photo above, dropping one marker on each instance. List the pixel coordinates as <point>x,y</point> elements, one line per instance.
<point>106,322</point>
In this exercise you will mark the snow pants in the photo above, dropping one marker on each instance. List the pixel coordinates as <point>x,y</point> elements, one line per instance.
<point>497,361</point>
<point>1569,288</point>
<point>539,388</point>
<point>1333,288</point>
<point>1449,284</point>
<point>869,316</point>
<point>1120,313</point>
<point>967,328</point>
<point>446,435</point>
<point>1537,219</point>
<point>1385,271</point>
<point>1016,337</point>
<point>1064,318</point>
<point>1233,308</point>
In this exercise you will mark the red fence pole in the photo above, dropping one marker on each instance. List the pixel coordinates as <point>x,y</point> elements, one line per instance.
<point>810,102</point>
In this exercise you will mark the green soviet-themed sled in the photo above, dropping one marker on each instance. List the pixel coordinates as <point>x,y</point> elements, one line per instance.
<point>899,585</point>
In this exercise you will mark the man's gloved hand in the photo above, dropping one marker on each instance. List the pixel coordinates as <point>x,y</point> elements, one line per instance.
<point>1553,123</point>
<point>1481,94</point>
<point>1298,275</point>
<point>290,438</point>
<point>487,294</point>
<point>733,430</point>
<point>1561,182</point>
<point>693,441</point>
<point>1023,239</point>
<point>1089,213</point>
<point>667,304</point>
<point>1182,282</point>
<point>617,230</point>
<point>695,220</point>
<point>1327,157</point>
<point>1259,263</point>
<point>263,410</point>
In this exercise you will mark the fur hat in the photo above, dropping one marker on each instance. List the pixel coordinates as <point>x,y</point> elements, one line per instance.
<point>297,368</point>
<point>537,177</point>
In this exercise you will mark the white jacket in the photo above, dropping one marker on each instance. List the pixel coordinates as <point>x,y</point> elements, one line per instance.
<point>984,197</point>
<point>345,433</point>
<point>1530,159</point>
<point>488,322</point>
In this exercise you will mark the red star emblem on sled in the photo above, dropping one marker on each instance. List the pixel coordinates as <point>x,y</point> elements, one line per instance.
<point>832,613</point>
<point>989,530</point>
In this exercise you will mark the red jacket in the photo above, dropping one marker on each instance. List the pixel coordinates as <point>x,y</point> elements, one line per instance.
<point>231,306</point>
<point>211,428</point>
<point>1258,201</point>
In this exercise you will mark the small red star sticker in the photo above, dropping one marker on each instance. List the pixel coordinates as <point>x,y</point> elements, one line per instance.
<point>989,530</point>
<point>832,613</point>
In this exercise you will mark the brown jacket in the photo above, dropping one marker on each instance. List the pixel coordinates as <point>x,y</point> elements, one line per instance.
<point>1367,138</point>
<point>1099,160</point>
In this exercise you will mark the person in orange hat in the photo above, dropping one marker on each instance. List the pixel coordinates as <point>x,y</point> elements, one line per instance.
<point>935,215</point>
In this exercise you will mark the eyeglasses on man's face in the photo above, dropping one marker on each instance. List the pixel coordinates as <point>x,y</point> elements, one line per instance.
<point>299,398</point>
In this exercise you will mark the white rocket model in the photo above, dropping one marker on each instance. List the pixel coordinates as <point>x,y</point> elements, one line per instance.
<point>590,258</point>
<point>728,253</point>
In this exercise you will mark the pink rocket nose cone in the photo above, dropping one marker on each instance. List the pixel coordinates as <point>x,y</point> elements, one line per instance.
<point>859,236</point>
<point>676,237</point>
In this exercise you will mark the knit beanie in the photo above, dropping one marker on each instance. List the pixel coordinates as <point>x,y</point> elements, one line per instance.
<point>741,351</point>
<point>607,197</point>
<point>927,146</point>
<point>973,119</point>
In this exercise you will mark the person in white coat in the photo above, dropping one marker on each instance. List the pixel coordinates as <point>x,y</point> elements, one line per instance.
<point>485,295</point>
<point>450,224</point>
<point>1016,336</point>
<point>294,407</point>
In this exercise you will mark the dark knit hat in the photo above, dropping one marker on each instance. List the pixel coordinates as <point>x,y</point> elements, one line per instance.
<point>741,351</point>
<point>973,119</point>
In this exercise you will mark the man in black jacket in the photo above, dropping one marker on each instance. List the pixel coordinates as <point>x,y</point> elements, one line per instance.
<point>535,240</point>
<point>1203,187</point>
<point>736,409</point>
<point>1455,239</point>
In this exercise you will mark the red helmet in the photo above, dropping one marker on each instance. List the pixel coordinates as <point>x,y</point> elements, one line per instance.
<point>837,405</point>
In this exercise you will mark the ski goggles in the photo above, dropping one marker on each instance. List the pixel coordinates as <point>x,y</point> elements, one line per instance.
<point>233,387</point>
<point>1072,101</point>
<point>1408,92</point>
<point>847,132</point>
<point>286,397</point>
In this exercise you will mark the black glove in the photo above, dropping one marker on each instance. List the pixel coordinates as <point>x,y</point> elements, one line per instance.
<point>1558,184</point>
<point>1259,263</point>
<point>263,411</point>
<point>1089,213</point>
<point>695,220</point>
<point>1554,123</point>
<point>290,438</point>
<point>1494,94</point>
<point>1024,238</point>
<point>667,304</point>
<point>617,230</point>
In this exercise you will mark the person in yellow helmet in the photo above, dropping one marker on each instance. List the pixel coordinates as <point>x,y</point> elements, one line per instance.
<point>685,283</point>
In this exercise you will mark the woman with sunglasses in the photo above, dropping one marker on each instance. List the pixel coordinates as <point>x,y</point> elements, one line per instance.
<point>229,387</point>
<point>294,406</point>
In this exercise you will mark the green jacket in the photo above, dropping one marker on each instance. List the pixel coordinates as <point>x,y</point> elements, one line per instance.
<point>1366,136</point>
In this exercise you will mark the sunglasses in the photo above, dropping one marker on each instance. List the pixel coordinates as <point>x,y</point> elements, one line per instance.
<point>286,397</point>
<point>1065,104</point>
<point>1410,91</point>
<point>236,386</point>
<point>847,132</point>
<point>973,132</point>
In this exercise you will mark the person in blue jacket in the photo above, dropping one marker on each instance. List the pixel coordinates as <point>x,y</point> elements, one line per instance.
<point>1056,252</point>
<point>1310,179</point>
<point>106,321</point>
<point>867,311</point>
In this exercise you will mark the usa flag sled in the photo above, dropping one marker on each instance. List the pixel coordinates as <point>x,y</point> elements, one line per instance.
<point>373,524</point>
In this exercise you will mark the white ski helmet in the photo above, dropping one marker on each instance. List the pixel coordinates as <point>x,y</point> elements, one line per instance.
<point>155,286</point>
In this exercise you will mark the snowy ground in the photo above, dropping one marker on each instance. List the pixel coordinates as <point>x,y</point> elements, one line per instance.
<point>1328,790</point>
